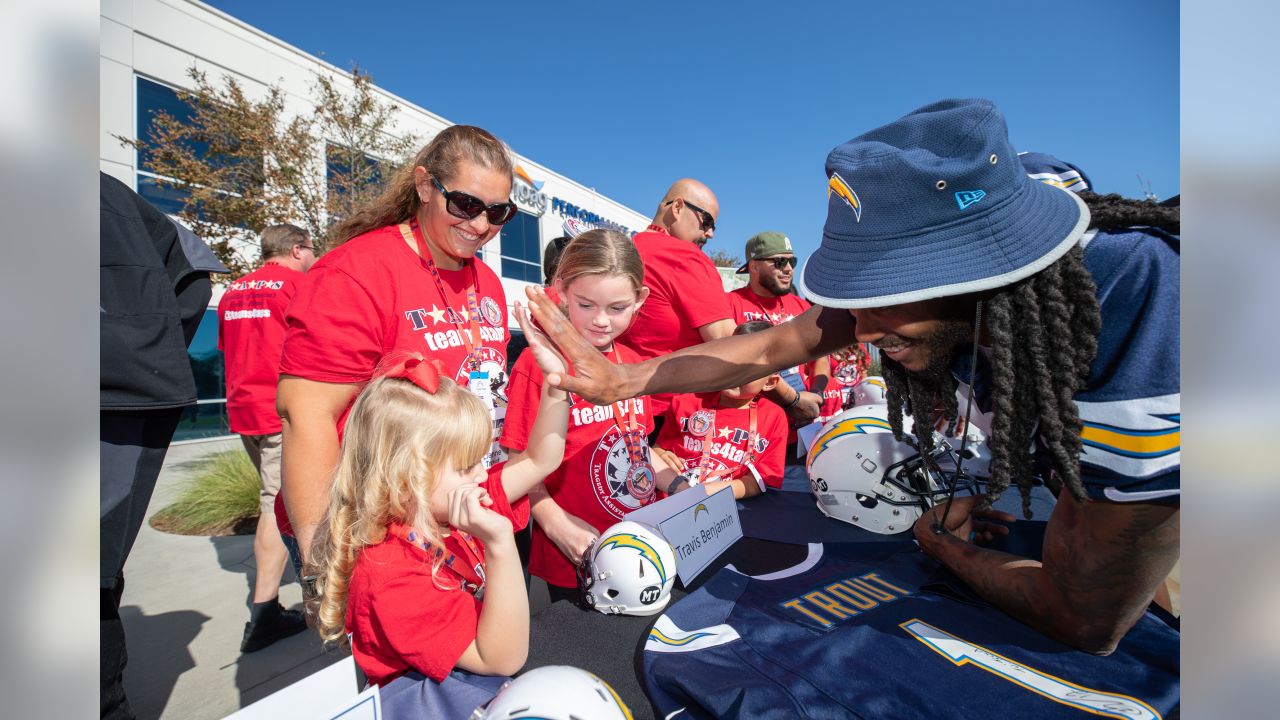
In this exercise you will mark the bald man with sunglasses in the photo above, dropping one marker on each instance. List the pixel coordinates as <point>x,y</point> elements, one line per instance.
<point>687,305</point>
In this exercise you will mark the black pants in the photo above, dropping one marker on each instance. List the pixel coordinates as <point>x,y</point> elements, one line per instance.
<point>133,446</point>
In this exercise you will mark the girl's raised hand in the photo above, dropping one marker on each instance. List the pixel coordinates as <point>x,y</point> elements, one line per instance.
<point>469,512</point>
<point>595,377</point>
<point>544,352</point>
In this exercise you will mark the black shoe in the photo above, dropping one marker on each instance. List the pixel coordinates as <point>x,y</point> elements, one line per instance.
<point>271,624</point>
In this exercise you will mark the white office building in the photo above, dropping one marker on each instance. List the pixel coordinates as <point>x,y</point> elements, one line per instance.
<point>147,47</point>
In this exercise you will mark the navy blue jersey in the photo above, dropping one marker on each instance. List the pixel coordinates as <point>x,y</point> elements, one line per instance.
<point>1130,408</point>
<point>886,635</point>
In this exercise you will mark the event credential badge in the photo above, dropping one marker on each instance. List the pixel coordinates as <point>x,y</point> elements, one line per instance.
<point>479,384</point>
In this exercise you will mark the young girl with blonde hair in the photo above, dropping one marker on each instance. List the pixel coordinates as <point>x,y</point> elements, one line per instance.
<point>416,557</point>
<point>607,470</point>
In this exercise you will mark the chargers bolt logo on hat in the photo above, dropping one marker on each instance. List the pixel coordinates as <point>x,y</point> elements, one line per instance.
<point>838,186</point>
<point>965,198</point>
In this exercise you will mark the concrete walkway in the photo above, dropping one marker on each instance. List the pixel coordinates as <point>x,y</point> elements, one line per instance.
<point>185,603</point>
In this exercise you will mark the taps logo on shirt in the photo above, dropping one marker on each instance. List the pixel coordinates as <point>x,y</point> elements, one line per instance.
<point>772,318</point>
<point>493,363</point>
<point>608,474</point>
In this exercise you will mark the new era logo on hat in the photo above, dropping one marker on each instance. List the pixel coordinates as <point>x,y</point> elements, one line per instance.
<point>965,198</point>
<point>950,210</point>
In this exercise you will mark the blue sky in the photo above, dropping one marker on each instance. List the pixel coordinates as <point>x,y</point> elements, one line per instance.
<point>750,97</point>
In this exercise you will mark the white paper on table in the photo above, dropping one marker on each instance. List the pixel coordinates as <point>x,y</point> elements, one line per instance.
<point>327,693</point>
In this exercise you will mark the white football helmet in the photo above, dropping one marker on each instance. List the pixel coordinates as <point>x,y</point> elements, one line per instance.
<point>628,570</point>
<point>555,692</point>
<point>870,391</point>
<point>860,474</point>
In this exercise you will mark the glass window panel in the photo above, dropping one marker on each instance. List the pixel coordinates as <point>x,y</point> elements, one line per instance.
<point>154,97</point>
<point>522,248</point>
<point>206,359</point>
<point>203,421</point>
<point>167,198</point>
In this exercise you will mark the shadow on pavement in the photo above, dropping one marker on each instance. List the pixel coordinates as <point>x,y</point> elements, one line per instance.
<point>235,555</point>
<point>282,664</point>
<point>158,655</point>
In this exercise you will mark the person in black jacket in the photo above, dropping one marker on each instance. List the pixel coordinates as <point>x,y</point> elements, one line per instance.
<point>154,289</point>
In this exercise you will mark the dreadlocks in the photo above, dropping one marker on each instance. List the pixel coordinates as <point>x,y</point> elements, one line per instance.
<point>1043,332</point>
<point>1044,336</point>
<point>1114,212</point>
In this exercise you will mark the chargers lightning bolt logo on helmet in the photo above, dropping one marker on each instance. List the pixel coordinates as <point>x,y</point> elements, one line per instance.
<point>844,427</point>
<point>627,540</point>
<point>838,186</point>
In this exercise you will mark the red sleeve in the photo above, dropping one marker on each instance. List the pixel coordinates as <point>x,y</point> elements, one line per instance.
<point>429,628</point>
<point>774,429</point>
<point>524,394</point>
<point>518,513</point>
<point>335,329</point>
<point>734,299</point>
<point>701,300</point>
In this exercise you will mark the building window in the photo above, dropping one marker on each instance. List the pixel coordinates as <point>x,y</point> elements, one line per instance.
<point>152,98</point>
<point>208,418</point>
<point>345,168</point>
<point>522,248</point>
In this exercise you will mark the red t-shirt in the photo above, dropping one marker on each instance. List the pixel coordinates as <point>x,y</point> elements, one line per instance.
<point>402,618</point>
<point>373,295</point>
<point>748,306</point>
<point>730,434</point>
<point>591,483</point>
<point>685,293</point>
<point>250,335</point>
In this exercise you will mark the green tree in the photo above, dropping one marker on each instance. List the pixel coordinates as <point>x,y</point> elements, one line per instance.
<point>243,164</point>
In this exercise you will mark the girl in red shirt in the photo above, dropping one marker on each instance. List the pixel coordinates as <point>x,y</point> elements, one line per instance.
<point>606,471</point>
<point>416,558</point>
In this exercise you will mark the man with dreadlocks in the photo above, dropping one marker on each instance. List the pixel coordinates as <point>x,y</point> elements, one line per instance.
<point>939,249</point>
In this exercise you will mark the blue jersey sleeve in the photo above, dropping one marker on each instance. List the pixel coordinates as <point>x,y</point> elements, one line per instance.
<point>1131,408</point>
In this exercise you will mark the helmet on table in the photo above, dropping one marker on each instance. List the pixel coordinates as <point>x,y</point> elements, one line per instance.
<point>871,390</point>
<point>555,692</point>
<point>629,570</point>
<point>861,475</point>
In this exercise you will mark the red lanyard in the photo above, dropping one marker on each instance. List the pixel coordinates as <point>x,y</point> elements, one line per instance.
<point>632,434</point>
<point>750,457</point>
<point>470,568</point>
<point>473,308</point>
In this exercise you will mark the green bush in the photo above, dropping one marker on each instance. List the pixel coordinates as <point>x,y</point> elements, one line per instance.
<point>220,498</point>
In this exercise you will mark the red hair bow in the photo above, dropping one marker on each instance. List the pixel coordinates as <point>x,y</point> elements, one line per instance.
<point>423,373</point>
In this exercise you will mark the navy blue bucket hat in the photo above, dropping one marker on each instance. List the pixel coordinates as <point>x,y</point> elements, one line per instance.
<point>932,205</point>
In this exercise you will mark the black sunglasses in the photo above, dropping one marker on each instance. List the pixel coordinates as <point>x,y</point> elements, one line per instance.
<point>467,207</point>
<point>708,222</point>
<point>780,262</point>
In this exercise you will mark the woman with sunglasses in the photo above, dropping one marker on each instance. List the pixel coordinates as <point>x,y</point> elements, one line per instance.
<point>403,277</point>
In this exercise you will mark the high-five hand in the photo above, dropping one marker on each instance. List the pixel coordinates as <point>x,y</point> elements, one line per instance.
<point>594,377</point>
<point>544,353</point>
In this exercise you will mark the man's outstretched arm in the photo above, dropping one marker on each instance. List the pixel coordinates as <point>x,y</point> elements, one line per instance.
<point>710,366</point>
<point>1102,564</point>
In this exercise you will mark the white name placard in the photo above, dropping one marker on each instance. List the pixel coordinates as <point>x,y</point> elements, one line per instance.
<point>698,527</point>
